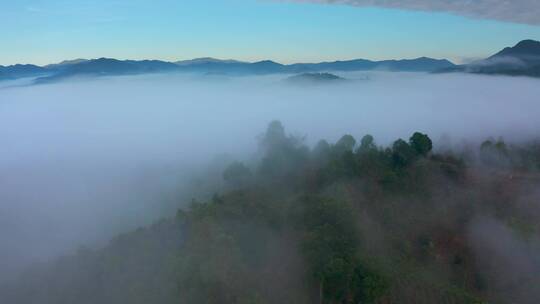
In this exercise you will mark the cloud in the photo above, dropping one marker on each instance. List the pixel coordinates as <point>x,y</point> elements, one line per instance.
<point>83,160</point>
<point>519,11</point>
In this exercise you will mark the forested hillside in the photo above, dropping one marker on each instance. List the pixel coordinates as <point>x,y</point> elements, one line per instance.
<point>344,222</point>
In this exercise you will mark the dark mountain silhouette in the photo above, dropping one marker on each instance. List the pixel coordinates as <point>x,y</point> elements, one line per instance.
<point>422,64</point>
<point>314,78</point>
<point>232,67</point>
<point>64,64</point>
<point>21,71</point>
<point>112,67</point>
<point>205,60</point>
<point>526,50</point>
<point>107,67</point>
<point>523,59</point>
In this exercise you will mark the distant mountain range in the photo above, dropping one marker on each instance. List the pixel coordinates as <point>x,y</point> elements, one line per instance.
<point>522,59</point>
<point>21,71</point>
<point>112,67</point>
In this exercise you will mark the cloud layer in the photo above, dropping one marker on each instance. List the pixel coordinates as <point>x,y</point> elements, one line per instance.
<point>519,11</point>
<point>82,161</point>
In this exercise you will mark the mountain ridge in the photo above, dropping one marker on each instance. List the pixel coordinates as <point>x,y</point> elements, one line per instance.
<point>522,49</point>
<point>207,65</point>
<point>523,59</point>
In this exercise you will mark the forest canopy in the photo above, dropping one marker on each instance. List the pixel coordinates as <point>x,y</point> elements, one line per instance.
<point>344,222</point>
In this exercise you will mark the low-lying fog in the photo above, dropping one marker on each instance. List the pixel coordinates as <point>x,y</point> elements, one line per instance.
<point>83,160</point>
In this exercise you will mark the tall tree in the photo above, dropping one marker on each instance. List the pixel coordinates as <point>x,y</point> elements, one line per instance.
<point>421,143</point>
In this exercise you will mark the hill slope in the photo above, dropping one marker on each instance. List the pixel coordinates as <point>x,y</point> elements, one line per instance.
<point>523,59</point>
<point>314,78</point>
<point>339,223</point>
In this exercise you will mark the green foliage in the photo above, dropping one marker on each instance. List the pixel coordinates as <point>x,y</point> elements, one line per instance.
<point>372,285</point>
<point>321,152</point>
<point>237,175</point>
<point>402,154</point>
<point>330,245</point>
<point>345,144</point>
<point>367,143</point>
<point>421,143</point>
<point>302,227</point>
<point>275,135</point>
<point>283,156</point>
<point>495,153</point>
<point>212,269</point>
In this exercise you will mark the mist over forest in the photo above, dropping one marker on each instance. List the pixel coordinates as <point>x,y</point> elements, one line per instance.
<point>188,188</point>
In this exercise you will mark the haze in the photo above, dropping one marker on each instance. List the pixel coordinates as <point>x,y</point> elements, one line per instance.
<point>86,159</point>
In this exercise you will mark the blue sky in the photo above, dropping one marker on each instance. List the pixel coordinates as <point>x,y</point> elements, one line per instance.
<point>46,31</point>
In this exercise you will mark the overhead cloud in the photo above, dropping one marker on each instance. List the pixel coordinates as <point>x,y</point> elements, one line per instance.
<point>519,11</point>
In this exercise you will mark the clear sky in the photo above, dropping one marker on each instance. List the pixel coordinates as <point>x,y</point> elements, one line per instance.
<point>46,31</point>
